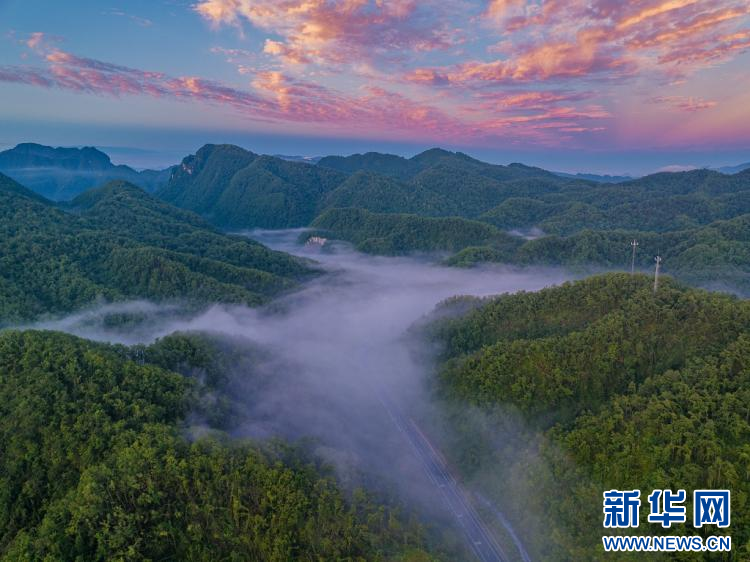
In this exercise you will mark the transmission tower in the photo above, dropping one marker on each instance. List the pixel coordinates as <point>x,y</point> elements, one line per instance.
<point>634,243</point>
<point>656,273</point>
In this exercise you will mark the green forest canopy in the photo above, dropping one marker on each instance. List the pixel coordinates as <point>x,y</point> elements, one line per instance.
<point>718,253</point>
<point>118,242</point>
<point>612,387</point>
<point>95,467</point>
<point>236,188</point>
<point>696,220</point>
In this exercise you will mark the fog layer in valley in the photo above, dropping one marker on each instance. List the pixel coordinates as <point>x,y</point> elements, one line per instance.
<point>333,351</point>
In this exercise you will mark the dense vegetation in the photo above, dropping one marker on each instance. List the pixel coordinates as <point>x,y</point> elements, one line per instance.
<point>696,220</point>
<point>94,467</point>
<point>440,183</point>
<point>393,234</point>
<point>62,173</point>
<point>235,188</point>
<point>434,183</point>
<point>238,189</point>
<point>716,255</point>
<point>118,242</point>
<point>596,385</point>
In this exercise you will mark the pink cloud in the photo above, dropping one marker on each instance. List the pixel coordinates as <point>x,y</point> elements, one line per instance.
<point>546,59</point>
<point>585,55</point>
<point>332,31</point>
<point>527,100</point>
<point>35,40</point>
<point>426,76</point>
<point>279,97</point>
<point>685,103</point>
<point>501,8</point>
<point>577,39</point>
<point>529,71</point>
<point>275,96</point>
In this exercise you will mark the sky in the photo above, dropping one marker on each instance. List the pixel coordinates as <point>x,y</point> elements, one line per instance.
<point>572,85</point>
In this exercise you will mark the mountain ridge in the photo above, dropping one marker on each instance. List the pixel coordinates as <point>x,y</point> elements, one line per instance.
<point>120,243</point>
<point>62,173</point>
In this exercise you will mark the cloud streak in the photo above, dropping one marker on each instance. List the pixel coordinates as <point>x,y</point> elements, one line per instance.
<point>276,96</point>
<point>492,72</point>
<point>685,103</point>
<point>605,39</point>
<point>333,31</point>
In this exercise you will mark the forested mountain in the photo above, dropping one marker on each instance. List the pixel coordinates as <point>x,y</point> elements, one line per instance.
<point>604,383</point>
<point>717,254</point>
<point>609,386</point>
<point>600,178</point>
<point>384,164</point>
<point>734,169</point>
<point>406,169</point>
<point>658,203</point>
<point>530,197</point>
<point>125,209</point>
<point>518,197</point>
<point>434,183</point>
<point>696,220</point>
<point>399,234</point>
<point>95,466</point>
<point>119,242</point>
<point>384,194</point>
<point>62,173</point>
<point>235,188</point>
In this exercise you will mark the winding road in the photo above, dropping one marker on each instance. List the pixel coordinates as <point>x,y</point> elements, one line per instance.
<point>477,534</point>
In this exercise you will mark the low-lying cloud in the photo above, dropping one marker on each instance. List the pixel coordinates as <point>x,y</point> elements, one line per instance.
<point>332,352</point>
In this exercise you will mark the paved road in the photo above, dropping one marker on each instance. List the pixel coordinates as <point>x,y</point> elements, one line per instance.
<point>506,525</point>
<point>480,538</point>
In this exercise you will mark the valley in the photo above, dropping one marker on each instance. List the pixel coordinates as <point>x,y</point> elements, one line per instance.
<point>367,362</point>
<point>375,281</point>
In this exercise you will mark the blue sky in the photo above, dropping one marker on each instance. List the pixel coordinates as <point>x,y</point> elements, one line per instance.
<point>598,85</point>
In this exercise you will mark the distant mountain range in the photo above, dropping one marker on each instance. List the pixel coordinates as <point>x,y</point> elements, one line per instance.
<point>596,177</point>
<point>63,173</point>
<point>734,169</point>
<point>436,201</point>
<point>303,159</point>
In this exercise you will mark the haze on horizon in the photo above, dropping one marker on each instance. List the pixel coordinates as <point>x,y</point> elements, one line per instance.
<point>599,86</point>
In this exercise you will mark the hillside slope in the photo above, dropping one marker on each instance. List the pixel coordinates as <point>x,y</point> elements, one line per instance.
<point>599,385</point>
<point>122,243</point>
<point>397,234</point>
<point>436,183</point>
<point>656,203</point>
<point>95,466</point>
<point>715,255</point>
<point>234,188</point>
